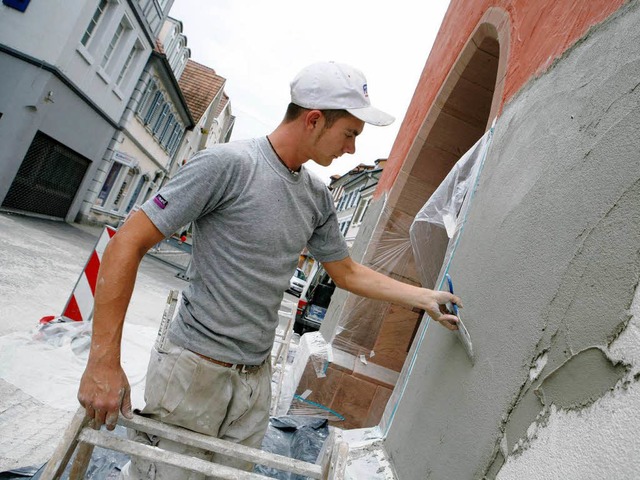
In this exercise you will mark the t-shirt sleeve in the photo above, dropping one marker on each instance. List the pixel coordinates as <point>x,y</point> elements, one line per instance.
<point>197,188</point>
<point>327,244</point>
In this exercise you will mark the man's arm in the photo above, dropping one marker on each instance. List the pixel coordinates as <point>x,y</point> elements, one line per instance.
<point>363,281</point>
<point>104,388</point>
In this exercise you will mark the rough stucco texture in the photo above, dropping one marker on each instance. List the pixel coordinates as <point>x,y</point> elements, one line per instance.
<point>599,441</point>
<point>547,265</point>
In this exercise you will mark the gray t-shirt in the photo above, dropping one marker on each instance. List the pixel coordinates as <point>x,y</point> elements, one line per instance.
<point>251,220</point>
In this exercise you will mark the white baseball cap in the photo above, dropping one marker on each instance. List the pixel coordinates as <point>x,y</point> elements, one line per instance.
<point>336,86</point>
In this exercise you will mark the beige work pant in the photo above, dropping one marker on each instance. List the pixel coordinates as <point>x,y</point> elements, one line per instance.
<point>186,390</point>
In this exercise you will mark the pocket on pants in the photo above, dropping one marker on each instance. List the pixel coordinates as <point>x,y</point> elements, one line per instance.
<point>168,379</point>
<point>202,401</point>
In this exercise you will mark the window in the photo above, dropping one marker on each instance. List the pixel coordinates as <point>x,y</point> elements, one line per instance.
<point>153,17</point>
<point>362,209</point>
<point>147,98</point>
<point>136,193</point>
<point>181,64</point>
<point>175,139</point>
<point>124,188</point>
<point>108,184</point>
<point>168,45</point>
<point>347,200</point>
<point>146,7</point>
<point>159,121</point>
<point>97,15</point>
<point>155,103</point>
<point>176,52</point>
<point>127,64</point>
<point>112,44</point>
<point>166,131</point>
<point>354,198</point>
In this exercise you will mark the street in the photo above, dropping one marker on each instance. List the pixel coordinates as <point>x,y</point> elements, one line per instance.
<point>41,262</point>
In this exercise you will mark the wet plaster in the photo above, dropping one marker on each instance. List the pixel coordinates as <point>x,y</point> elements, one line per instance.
<point>585,434</point>
<point>582,380</point>
<point>605,266</point>
<point>548,266</point>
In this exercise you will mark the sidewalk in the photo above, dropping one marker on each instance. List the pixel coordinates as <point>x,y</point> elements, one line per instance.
<point>40,263</point>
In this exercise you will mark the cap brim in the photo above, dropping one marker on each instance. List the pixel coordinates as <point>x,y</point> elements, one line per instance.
<point>372,116</point>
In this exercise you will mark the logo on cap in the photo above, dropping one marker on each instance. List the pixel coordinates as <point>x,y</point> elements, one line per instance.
<point>364,89</point>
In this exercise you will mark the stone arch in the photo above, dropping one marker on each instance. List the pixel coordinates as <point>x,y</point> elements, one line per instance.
<point>469,100</point>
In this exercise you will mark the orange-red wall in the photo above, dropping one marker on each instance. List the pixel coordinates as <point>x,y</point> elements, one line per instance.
<point>541,31</point>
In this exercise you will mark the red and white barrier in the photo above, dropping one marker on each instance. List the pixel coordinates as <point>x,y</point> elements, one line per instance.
<point>79,307</point>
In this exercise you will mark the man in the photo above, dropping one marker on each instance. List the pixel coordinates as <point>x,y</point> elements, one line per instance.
<point>254,208</point>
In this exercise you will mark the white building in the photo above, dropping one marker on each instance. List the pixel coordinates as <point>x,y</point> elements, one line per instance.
<point>352,193</point>
<point>142,152</point>
<point>67,77</point>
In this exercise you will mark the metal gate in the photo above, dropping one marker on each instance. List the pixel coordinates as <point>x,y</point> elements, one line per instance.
<point>48,178</point>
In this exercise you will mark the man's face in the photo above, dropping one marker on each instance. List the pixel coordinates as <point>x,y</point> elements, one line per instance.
<point>331,143</point>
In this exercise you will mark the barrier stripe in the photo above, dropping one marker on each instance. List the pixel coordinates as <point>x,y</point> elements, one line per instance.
<point>80,304</point>
<point>72,311</point>
<point>84,297</point>
<point>91,272</point>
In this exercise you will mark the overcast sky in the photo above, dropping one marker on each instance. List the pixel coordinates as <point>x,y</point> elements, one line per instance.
<point>260,45</point>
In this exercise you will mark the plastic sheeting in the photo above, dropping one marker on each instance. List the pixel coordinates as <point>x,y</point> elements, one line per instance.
<point>434,236</point>
<point>296,437</point>
<point>315,351</point>
<point>48,362</point>
<point>438,225</point>
<point>365,341</point>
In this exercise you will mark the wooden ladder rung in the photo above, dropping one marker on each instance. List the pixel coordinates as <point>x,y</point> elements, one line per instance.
<point>224,447</point>
<point>81,438</point>
<point>155,454</point>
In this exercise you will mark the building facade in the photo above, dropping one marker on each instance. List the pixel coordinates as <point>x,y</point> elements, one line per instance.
<point>352,193</point>
<point>67,80</point>
<point>142,152</point>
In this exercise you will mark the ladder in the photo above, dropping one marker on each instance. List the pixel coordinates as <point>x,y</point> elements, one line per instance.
<point>280,352</point>
<point>79,436</point>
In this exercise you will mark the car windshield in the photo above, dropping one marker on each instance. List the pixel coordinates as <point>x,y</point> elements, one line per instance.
<point>300,274</point>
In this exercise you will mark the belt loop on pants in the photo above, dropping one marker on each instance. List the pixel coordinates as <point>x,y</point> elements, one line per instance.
<point>236,366</point>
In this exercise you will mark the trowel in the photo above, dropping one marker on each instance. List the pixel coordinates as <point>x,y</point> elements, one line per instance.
<point>462,332</point>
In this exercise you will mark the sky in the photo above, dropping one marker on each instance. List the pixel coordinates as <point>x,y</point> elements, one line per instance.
<point>259,46</point>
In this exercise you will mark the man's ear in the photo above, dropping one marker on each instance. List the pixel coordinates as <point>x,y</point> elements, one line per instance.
<point>312,118</point>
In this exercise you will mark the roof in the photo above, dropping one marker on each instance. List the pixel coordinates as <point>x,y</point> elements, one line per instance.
<point>200,85</point>
<point>223,103</point>
<point>159,47</point>
<point>354,171</point>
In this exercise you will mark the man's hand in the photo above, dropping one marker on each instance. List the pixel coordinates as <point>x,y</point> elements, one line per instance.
<point>105,392</point>
<point>435,306</point>
<point>363,281</point>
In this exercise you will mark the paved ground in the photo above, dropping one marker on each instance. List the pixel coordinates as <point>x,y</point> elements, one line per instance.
<point>40,264</point>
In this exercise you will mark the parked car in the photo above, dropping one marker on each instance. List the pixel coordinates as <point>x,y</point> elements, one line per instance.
<point>297,282</point>
<point>313,303</point>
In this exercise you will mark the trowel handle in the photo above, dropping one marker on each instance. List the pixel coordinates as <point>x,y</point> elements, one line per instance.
<point>454,307</point>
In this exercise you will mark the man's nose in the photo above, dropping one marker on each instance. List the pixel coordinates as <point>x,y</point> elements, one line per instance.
<point>350,147</point>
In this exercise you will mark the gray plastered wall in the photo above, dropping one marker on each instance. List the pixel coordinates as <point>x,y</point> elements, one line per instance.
<point>548,266</point>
